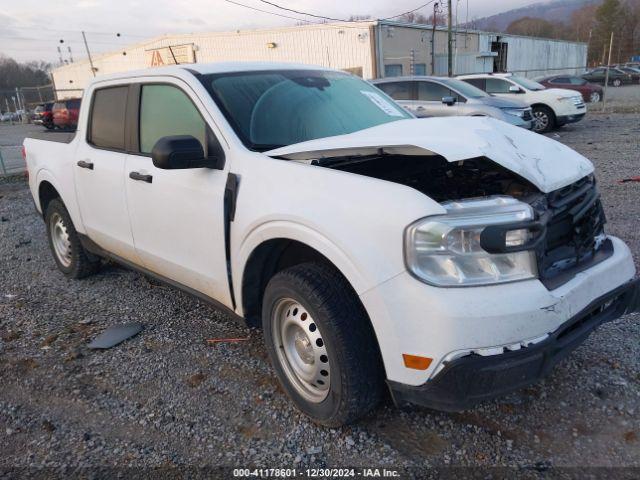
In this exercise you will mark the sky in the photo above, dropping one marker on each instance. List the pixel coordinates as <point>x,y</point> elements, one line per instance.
<point>32,29</point>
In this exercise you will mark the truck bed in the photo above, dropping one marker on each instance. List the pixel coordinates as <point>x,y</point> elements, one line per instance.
<point>53,136</point>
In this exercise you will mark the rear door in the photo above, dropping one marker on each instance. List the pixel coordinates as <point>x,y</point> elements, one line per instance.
<point>99,173</point>
<point>403,92</point>
<point>177,216</point>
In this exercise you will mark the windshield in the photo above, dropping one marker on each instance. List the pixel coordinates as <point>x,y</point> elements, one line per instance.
<point>526,83</point>
<point>271,109</point>
<point>464,88</point>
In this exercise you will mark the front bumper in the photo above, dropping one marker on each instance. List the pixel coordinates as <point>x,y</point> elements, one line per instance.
<point>466,381</point>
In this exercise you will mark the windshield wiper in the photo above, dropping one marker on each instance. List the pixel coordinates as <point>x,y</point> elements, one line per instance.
<point>263,147</point>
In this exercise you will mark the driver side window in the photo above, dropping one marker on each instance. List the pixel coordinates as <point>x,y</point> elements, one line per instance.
<point>166,110</point>
<point>497,85</point>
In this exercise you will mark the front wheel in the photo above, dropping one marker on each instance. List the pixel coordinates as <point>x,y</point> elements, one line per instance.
<point>594,97</point>
<point>543,119</point>
<point>321,344</point>
<point>617,82</point>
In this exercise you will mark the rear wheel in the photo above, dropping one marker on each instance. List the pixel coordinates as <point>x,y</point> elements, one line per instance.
<point>617,82</point>
<point>544,119</point>
<point>321,344</point>
<point>70,256</point>
<point>595,97</point>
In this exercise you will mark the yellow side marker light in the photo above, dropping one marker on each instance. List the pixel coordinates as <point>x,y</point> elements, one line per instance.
<point>416,362</point>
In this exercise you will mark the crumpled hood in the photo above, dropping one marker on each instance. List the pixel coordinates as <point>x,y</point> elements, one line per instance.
<point>547,164</point>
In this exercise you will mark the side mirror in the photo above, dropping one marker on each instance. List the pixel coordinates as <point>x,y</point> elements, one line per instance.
<point>179,152</point>
<point>450,101</point>
<point>514,89</point>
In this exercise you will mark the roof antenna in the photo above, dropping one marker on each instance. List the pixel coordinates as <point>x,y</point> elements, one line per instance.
<point>174,57</point>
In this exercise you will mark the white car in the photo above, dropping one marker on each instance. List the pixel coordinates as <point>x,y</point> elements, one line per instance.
<point>552,107</point>
<point>449,260</point>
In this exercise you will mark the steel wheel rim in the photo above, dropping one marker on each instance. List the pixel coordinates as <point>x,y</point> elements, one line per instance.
<point>60,239</point>
<point>542,120</point>
<point>595,97</point>
<point>301,350</point>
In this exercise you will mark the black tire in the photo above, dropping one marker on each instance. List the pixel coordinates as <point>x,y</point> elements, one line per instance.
<point>356,381</point>
<point>80,262</point>
<point>544,120</point>
<point>617,82</point>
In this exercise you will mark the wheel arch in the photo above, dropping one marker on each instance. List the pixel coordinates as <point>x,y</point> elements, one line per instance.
<point>274,255</point>
<point>47,192</point>
<point>540,104</point>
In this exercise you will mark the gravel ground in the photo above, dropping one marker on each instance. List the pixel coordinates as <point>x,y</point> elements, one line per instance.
<point>166,398</point>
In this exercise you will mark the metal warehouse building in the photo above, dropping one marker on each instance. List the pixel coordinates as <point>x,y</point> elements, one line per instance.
<point>369,49</point>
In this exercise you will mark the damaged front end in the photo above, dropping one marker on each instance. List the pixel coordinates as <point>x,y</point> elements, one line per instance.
<point>565,231</point>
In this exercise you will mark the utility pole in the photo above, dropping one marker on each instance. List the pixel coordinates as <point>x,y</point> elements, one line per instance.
<point>86,45</point>
<point>450,41</point>
<point>606,76</point>
<point>433,39</point>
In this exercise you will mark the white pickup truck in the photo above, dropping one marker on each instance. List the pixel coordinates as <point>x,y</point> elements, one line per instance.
<point>448,260</point>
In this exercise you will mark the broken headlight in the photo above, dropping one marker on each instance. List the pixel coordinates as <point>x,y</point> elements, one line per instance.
<point>446,250</point>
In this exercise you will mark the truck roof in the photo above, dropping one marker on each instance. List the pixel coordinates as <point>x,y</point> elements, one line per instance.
<point>206,68</point>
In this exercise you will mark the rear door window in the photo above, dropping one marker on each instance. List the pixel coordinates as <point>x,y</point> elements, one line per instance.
<point>108,118</point>
<point>397,90</point>
<point>476,82</point>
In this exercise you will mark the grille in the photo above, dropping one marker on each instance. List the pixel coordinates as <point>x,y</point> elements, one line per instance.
<point>575,226</point>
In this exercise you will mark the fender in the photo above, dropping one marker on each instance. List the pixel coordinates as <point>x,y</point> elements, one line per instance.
<point>45,175</point>
<point>295,231</point>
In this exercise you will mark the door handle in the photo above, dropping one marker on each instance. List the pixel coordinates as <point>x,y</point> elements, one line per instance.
<point>84,164</point>
<point>141,177</point>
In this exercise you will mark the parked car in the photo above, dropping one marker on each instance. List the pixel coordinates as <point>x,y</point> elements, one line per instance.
<point>633,71</point>
<point>617,77</point>
<point>552,107</point>
<point>448,260</point>
<point>9,116</point>
<point>43,115</point>
<point>442,97</point>
<point>65,113</point>
<point>590,91</point>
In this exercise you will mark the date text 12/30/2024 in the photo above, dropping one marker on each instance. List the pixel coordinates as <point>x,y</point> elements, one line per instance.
<point>315,473</point>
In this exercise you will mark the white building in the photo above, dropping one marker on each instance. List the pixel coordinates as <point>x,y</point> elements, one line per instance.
<point>370,49</point>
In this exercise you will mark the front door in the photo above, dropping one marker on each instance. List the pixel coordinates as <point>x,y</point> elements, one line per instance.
<point>177,216</point>
<point>99,174</point>
<point>500,87</point>
<point>430,98</point>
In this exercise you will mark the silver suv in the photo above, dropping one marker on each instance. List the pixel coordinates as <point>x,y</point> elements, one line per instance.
<point>442,97</point>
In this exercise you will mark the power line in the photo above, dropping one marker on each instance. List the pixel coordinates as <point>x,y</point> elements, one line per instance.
<point>342,19</point>
<point>303,13</point>
<point>266,11</point>
<point>410,11</point>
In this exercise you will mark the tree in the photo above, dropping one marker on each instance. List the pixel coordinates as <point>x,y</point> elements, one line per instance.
<point>536,27</point>
<point>14,74</point>
<point>419,18</point>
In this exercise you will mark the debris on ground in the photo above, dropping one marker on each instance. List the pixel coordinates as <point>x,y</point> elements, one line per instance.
<point>116,334</point>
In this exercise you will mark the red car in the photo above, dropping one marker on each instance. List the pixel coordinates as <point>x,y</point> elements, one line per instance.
<point>590,91</point>
<point>43,115</point>
<point>65,113</point>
